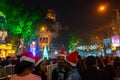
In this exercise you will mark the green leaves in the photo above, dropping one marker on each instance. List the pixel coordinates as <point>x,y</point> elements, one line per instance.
<point>20,20</point>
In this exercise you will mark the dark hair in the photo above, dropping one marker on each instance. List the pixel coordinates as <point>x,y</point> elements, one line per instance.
<point>37,70</point>
<point>91,60</point>
<point>8,57</point>
<point>21,66</point>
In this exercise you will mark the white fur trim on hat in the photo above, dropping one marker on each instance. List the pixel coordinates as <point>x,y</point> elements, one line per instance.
<point>39,61</point>
<point>24,58</point>
<point>61,55</point>
<point>72,64</point>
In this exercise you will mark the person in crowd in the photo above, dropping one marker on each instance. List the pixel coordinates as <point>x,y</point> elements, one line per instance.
<point>99,63</point>
<point>25,67</point>
<point>80,66</point>
<point>2,73</point>
<point>116,63</point>
<point>109,70</point>
<point>71,61</point>
<point>14,60</point>
<point>40,68</point>
<point>7,61</point>
<point>60,72</point>
<point>92,73</point>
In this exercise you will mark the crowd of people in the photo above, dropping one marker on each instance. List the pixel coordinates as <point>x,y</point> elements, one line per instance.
<point>69,67</point>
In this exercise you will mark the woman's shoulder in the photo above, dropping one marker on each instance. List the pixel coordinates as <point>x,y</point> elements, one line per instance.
<point>36,77</point>
<point>30,77</point>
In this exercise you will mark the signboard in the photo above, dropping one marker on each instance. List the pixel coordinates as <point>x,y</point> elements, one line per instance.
<point>115,41</point>
<point>3,36</point>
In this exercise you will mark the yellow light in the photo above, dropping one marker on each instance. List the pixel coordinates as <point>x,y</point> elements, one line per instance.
<point>43,28</point>
<point>113,48</point>
<point>102,8</point>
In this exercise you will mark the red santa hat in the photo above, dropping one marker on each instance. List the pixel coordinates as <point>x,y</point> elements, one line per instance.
<point>72,58</point>
<point>27,56</point>
<point>62,53</point>
<point>38,60</point>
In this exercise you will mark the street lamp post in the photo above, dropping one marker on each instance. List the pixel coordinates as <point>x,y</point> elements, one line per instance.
<point>116,23</point>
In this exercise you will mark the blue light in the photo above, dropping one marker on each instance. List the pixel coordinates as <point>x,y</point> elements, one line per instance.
<point>33,48</point>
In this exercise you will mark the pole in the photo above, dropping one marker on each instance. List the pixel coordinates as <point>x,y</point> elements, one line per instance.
<point>118,17</point>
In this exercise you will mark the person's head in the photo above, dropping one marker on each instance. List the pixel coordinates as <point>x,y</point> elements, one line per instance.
<point>40,66</point>
<point>8,58</point>
<point>91,61</point>
<point>26,63</point>
<point>24,66</point>
<point>60,58</point>
<point>71,60</point>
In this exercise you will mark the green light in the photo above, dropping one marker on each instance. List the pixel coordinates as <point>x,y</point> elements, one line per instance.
<point>73,41</point>
<point>19,20</point>
<point>45,53</point>
<point>1,14</point>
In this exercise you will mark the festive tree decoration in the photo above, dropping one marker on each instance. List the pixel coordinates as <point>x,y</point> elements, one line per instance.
<point>45,52</point>
<point>20,21</point>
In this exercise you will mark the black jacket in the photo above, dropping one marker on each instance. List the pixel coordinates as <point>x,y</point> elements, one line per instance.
<point>93,73</point>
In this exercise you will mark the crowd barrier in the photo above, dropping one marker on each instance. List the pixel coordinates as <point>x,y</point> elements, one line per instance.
<point>6,72</point>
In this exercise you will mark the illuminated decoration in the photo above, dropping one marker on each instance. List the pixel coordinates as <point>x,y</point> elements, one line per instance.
<point>101,53</point>
<point>73,41</point>
<point>20,20</point>
<point>118,53</point>
<point>86,53</point>
<point>115,41</point>
<point>56,52</point>
<point>6,50</point>
<point>3,53</point>
<point>6,46</point>
<point>11,51</point>
<point>2,18</point>
<point>44,37</point>
<point>113,48</point>
<point>45,52</point>
<point>33,48</point>
<point>107,41</point>
<point>43,28</point>
<point>108,51</point>
<point>88,47</point>
<point>1,14</point>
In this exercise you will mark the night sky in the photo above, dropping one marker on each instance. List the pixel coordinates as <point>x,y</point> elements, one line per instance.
<point>82,14</point>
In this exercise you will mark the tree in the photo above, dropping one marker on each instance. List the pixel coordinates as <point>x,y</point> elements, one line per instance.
<point>74,40</point>
<point>20,21</point>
